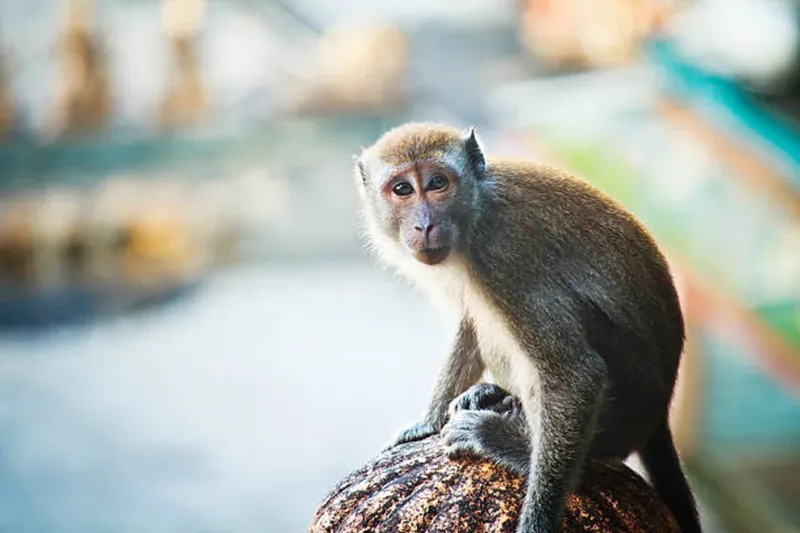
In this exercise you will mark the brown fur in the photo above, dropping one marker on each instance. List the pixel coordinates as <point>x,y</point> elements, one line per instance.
<point>415,142</point>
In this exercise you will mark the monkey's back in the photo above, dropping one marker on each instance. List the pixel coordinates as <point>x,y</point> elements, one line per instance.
<point>590,262</point>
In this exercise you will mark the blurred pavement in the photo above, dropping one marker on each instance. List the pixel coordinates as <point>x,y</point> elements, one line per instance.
<point>233,410</point>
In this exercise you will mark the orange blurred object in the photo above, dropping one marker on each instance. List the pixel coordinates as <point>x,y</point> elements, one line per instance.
<point>186,98</point>
<point>84,101</point>
<point>355,69</point>
<point>589,33</point>
<point>7,113</point>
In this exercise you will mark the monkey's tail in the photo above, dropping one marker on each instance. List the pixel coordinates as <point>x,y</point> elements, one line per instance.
<point>663,465</point>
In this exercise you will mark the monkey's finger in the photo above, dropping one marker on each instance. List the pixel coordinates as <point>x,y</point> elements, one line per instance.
<point>482,396</point>
<point>462,450</point>
<point>415,433</point>
<point>512,407</point>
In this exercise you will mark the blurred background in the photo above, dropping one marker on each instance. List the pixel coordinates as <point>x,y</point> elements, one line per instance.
<point>192,336</point>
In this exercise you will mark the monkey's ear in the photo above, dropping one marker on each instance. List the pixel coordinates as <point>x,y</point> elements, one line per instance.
<point>474,153</point>
<point>359,164</point>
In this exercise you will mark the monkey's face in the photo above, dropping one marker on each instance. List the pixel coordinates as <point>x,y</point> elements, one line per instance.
<point>418,205</point>
<point>417,185</point>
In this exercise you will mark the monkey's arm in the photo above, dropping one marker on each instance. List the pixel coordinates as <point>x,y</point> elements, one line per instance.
<point>462,369</point>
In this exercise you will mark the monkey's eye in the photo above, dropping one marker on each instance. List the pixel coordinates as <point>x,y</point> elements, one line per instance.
<point>437,183</point>
<point>403,189</point>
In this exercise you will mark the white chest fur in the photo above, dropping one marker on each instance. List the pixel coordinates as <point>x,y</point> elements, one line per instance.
<point>451,285</point>
<point>511,367</point>
<point>499,349</point>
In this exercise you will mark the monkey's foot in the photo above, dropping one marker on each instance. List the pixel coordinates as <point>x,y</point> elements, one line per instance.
<point>485,396</point>
<point>420,431</point>
<point>502,438</point>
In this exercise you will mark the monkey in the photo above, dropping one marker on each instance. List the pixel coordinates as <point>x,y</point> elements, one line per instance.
<point>561,294</point>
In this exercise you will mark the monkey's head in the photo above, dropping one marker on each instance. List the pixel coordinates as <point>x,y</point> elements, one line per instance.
<point>418,184</point>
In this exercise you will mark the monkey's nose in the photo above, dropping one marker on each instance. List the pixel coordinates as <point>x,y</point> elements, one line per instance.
<point>425,230</point>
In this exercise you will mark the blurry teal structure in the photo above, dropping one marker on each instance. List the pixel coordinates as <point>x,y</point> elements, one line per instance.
<point>747,412</point>
<point>719,98</point>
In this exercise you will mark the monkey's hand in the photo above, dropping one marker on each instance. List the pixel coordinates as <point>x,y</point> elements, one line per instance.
<point>483,396</point>
<point>419,431</point>
<point>478,397</point>
<point>502,437</point>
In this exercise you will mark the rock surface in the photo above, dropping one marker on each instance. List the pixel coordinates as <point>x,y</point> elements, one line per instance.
<point>415,488</point>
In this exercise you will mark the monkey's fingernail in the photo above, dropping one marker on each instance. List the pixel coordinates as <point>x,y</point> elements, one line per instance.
<point>453,454</point>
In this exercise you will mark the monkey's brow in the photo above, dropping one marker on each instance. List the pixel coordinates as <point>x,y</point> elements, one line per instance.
<point>396,172</point>
<point>410,167</point>
<point>413,150</point>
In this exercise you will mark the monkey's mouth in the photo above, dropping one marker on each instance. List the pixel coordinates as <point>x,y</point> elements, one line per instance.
<point>432,256</point>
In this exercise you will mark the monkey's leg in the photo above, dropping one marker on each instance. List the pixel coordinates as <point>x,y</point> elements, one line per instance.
<point>462,368</point>
<point>561,409</point>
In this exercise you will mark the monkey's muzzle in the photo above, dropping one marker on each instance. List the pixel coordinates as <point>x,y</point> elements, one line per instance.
<point>432,256</point>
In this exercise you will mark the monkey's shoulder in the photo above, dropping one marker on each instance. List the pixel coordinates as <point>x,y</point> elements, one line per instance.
<point>542,224</point>
<point>513,167</point>
<point>556,202</point>
<point>523,177</point>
